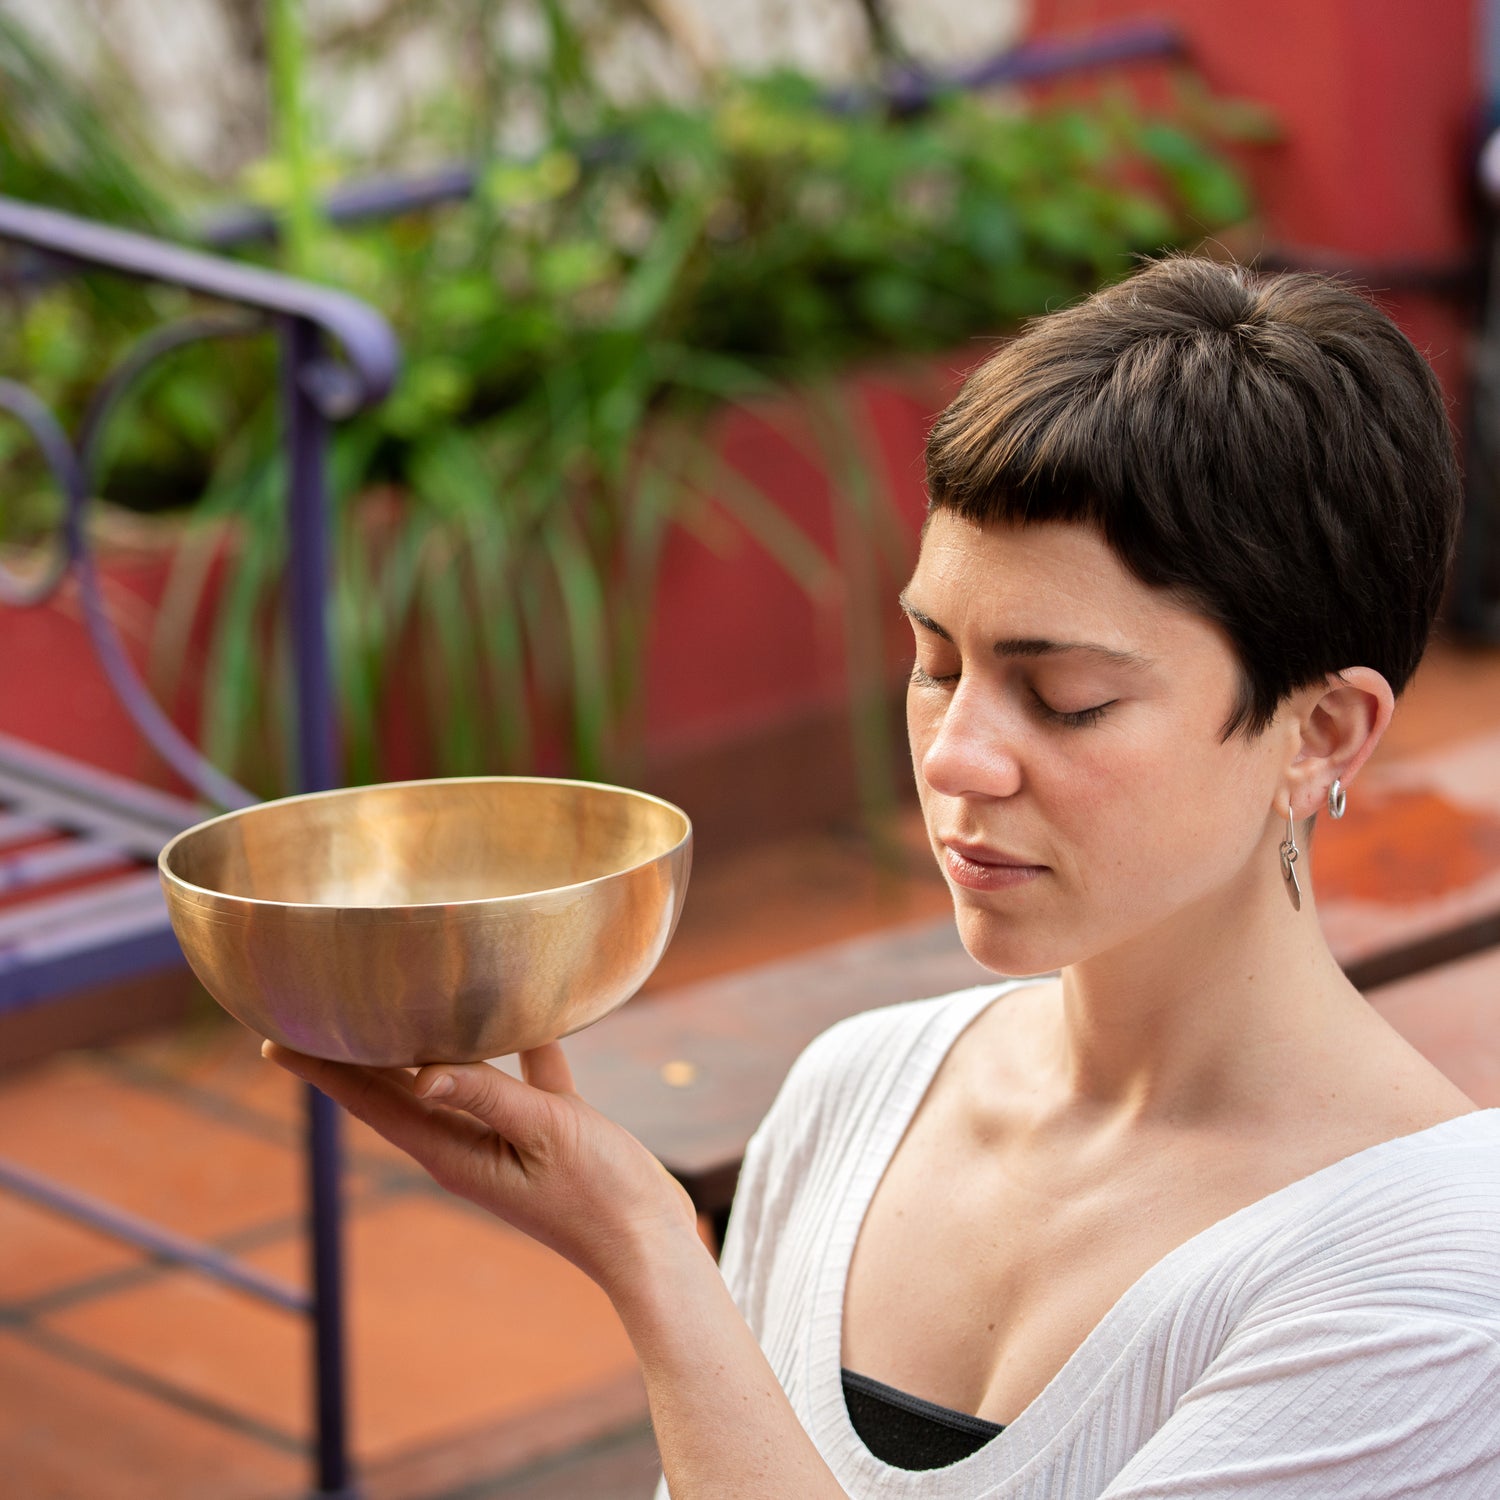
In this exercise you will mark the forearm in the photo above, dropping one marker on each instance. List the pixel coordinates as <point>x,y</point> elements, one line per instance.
<point>724,1426</point>
<point>541,1159</point>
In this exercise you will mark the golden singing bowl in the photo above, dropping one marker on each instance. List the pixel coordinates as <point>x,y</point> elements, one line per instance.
<point>429,921</point>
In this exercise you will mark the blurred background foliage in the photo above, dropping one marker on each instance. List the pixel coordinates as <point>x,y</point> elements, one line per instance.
<point>567,327</point>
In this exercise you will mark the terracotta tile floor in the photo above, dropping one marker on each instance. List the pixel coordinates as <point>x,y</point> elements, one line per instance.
<point>474,1353</point>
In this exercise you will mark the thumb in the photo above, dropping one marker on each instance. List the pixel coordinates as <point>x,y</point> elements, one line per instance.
<point>546,1067</point>
<point>514,1110</point>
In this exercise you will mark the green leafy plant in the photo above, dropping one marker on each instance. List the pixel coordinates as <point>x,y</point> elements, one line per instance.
<point>569,328</point>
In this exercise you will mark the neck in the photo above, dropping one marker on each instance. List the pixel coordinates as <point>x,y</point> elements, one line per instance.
<point>1199,1016</point>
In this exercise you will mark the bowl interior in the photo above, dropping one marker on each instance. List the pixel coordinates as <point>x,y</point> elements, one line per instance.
<point>427,842</point>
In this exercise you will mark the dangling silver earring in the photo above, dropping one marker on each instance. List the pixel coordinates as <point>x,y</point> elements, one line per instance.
<point>1336,799</point>
<point>1289,862</point>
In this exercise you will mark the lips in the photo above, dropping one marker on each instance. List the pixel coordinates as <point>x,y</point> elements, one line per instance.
<point>978,867</point>
<point>983,854</point>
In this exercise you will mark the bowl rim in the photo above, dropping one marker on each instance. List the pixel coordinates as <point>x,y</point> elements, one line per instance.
<point>176,882</point>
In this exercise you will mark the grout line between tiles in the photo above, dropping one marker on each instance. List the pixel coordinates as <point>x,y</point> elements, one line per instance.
<point>227,1111</point>
<point>81,1356</point>
<point>487,1487</point>
<point>149,1268</point>
<point>152,1268</point>
<point>387,1177</point>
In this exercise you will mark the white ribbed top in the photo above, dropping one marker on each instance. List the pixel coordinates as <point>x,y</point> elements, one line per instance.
<point>1339,1338</point>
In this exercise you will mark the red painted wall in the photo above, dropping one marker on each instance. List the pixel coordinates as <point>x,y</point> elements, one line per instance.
<point>1376,99</point>
<point>737,645</point>
<point>54,693</point>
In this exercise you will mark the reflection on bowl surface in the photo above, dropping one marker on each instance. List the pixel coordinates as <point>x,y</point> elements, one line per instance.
<point>429,921</point>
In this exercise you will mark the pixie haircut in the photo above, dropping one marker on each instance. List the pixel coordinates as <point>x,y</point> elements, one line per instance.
<point>1270,449</point>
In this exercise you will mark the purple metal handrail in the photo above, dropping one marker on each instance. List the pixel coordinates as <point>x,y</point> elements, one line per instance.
<point>315,389</point>
<point>365,337</point>
<point>908,91</point>
<point>911,90</point>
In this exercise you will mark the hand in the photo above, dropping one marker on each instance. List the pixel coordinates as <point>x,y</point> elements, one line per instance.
<point>532,1153</point>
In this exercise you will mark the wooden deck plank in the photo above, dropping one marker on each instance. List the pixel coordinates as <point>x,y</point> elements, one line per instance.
<point>31,868</point>
<point>16,827</point>
<point>67,795</point>
<point>33,764</point>
<point>692,1071</point>
<point>80,918</point>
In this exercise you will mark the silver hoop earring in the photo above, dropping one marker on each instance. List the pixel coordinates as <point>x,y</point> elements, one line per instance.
<point>1336,799</point>
<point>1289,862</point>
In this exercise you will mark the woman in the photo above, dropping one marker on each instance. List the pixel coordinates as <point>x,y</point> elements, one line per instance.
<point>1184,1218</point>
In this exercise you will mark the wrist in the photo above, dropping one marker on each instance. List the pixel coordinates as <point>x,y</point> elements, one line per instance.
<point>658,1272</point>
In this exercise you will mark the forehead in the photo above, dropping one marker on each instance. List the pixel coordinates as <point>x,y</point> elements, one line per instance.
<point>1050,581</point>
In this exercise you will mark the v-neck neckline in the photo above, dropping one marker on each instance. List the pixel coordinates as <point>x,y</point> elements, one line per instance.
<point>1063,1402</point>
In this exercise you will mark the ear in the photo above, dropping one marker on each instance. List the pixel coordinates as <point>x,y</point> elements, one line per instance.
<point>1340,725</point>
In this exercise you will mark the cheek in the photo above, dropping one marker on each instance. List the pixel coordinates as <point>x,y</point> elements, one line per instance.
<point>1127,810</point>
<point>1101,805</point>
<point>1165,827</point>
<point>922,722</point>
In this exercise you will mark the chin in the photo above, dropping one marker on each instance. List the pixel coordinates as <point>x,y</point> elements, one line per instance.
<point>1004,946</point>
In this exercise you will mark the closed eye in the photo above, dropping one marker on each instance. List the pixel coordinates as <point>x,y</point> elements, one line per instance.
<point>1079,718</point>
<point>1075,719</point>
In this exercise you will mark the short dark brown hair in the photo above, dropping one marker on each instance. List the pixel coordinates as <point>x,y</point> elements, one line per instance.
<point>1271,449</point>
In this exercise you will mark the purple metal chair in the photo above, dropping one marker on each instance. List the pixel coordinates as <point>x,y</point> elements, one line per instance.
<point>118,930</point>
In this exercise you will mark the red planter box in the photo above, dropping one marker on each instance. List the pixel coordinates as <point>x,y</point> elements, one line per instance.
<point>1378,104</point>
<point>738,651</point>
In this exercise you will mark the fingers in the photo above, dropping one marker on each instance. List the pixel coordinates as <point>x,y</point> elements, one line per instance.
<point>443,1112</point>
<point>514,1110</point>
<point>306,1067</point>
<point>546,1067</point>
<point>384,1098</point>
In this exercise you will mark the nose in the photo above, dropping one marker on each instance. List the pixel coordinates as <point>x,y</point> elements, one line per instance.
<point>967,744</point>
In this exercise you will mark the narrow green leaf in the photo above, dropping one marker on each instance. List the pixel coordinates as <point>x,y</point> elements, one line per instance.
<point>651,284</point>
<point>501,634</point>
<point>454,688</point>
<point>713,479</point>
<point>582,597</point>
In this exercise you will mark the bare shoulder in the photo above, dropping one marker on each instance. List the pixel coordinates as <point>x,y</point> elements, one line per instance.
<point>1381,1079</point>
<point>1003,1051</point>
<point>862,1052</point>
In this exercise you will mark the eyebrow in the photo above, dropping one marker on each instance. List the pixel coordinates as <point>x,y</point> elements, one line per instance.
<point>1033,646</point>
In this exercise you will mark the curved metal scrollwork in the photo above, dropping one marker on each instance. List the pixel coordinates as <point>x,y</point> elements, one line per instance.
<point>112,390</point>
<point>338,387</point>
<point>317,387</point>
<point>62,462</point>
<point>72,469</point>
